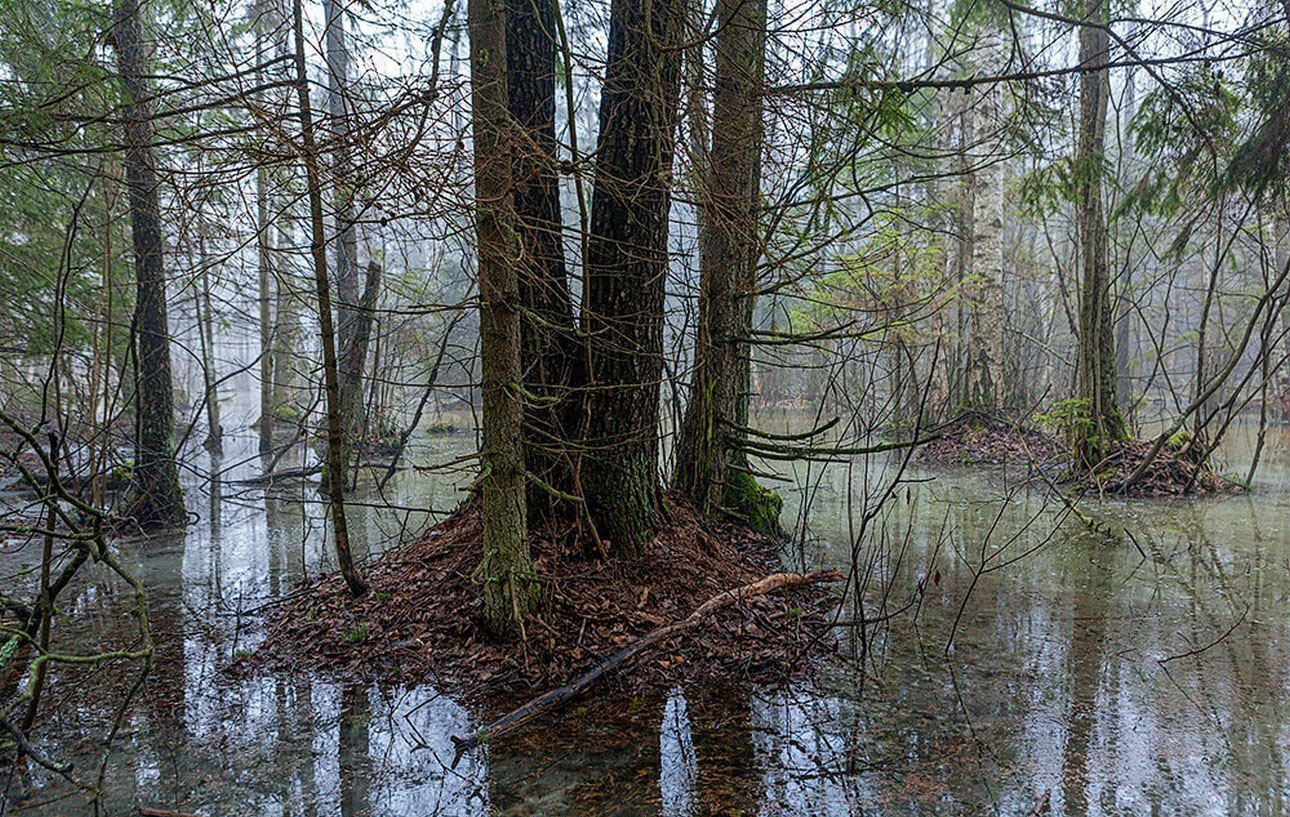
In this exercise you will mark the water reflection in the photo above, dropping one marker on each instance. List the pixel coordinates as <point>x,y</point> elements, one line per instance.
<point>1096,672</point>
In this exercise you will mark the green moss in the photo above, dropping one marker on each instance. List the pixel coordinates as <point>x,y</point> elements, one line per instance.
<point>753,505</point>
<point>355,635</point>
<point>285,413</point>
<point>1178,441</point>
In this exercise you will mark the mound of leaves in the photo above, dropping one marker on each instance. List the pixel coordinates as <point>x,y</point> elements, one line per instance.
<point>422,618</point>
<point>1175,471</point>
<point>975,438</point>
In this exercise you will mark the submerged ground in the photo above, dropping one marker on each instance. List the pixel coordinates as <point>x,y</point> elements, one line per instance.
<point>1145,675</point>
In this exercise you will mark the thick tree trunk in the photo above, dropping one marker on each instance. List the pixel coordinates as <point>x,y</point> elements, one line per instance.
<point>1095,373</point>
<point>711,468</point>
<point>335,470</point>
<point>157,497</point>
<point>550,352</point>
<point>985,387</point>
<point>510,586</point>
<point>627,268</point>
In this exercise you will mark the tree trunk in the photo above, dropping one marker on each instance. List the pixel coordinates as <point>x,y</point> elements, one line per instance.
<point>206,334</point>
<point>510,586</point>
<point>157,498</point>
<point>347,293</point>
<point>549,352</point>
<point>264,263</point>
<point>286,348</point>
<point>355,356</point>
<point>335,470</point>
<point>1095,372</point>
<point>1126,319</point>
<point>711,468</point>
<point>626,269</point>
<point>985,347</point>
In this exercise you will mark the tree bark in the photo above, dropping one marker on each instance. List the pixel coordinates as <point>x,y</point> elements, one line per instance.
<point>709,460</point>
<point>549,352</point>
<point>206,333</point>
<point>157,498</point>
<point>335,471</point>
<point>510,585</point>
<point>626,269</point>
<point>986,344</point>
<point>1095,369</point>
<point>264,263</point>
<point>347,292</point>
<point>354,357</point>
<point>286,348</point>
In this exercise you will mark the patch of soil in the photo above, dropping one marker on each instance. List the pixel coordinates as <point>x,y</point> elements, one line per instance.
<point>974,438</point>
<point>422,618</point>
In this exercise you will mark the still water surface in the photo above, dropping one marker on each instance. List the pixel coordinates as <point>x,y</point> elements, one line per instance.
<point>1145,676</point>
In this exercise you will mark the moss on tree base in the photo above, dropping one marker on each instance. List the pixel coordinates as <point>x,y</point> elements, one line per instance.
<point>752,505</point>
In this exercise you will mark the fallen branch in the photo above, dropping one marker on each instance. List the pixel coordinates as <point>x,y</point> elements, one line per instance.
<point>517,718</point>
<point>161,812</point>
<point>274,476</point>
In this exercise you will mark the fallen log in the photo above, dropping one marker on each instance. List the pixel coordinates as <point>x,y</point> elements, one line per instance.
<point>162,812</point>
<point>517,718</point>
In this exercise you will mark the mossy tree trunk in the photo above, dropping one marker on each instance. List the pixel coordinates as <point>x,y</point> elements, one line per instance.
<point>711,468</point>
<point>1099,425</point>
<point>626,268</point>
<point>550,351</point>
<point>157,499</point>
<point>510,586</point>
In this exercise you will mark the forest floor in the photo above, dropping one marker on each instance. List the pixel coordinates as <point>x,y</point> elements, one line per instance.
<point>974,438</point>
<point>422,617</point>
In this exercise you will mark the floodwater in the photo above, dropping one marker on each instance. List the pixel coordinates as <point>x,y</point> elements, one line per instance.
<point>1037,661</point>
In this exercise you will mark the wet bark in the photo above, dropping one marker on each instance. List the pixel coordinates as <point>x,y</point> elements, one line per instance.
<point>286,348</point>
<point>157,499</point>
<point>1095,372</point>
<point>206,334</point>
<point>510,587</point>
<point>984,387</point>
<point>265,274</point>
<point>354,358</point>
<point>708,449</point>
<point>335,470</point>
<point>550,352</point>
<point>347,294</point>
<point>627,267</point>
